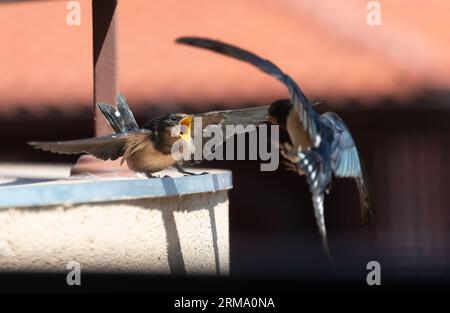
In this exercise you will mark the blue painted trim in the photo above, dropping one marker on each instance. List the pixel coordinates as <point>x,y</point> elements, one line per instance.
<point>88,191</point>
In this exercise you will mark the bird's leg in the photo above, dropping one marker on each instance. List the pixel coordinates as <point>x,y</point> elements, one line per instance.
<point>288,152</point>
<point>293,167</point>
<point>183,171</point>
<point>192,162</point>
<point>150,175</point>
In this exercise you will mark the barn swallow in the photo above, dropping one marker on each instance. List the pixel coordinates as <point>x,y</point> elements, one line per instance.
<point>321,143</point>
<point>149,149</point>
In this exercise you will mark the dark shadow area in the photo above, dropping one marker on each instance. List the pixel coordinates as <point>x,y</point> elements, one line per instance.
<point>212,220</point>
<point>163,284</point>
<point>169,186</point>
<point>174,253</point>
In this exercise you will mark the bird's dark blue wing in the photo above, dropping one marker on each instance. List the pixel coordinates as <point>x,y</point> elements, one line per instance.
<point>307,115</point>
<point>345,162</point>
<point>344,155</point>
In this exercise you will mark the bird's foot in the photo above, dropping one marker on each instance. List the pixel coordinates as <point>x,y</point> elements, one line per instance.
<point>150,175</point>
<point>289,153</point>
<point>293,167</point>
<point>187,173</point>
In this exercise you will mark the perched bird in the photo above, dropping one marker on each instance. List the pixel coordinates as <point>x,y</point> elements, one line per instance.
<point>149,149</point>
<point>321,144</point>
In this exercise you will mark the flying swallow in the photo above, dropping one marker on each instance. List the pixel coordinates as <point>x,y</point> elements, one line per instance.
<point>322,145</point>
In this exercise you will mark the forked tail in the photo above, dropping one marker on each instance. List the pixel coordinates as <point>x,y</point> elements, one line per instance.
<point>120,119</point>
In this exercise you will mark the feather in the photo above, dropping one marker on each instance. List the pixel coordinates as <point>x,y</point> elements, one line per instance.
<point>307,115</point>
<point>105,148</point>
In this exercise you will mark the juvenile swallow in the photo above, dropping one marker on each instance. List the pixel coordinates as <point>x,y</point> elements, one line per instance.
<point>321,143</point>
<point>149,149</point>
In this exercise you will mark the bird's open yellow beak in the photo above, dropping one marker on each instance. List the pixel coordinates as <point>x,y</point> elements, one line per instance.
<point>186,130</point>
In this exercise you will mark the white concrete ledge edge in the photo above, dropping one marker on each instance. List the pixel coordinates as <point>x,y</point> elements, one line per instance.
<point>40,192</point>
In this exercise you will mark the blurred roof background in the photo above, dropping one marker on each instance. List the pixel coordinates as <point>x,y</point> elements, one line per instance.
<point>325,45</point>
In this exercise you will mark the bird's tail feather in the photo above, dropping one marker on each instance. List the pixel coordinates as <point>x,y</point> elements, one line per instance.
<point>126,114</point>
<point>120,119</point>
<point>320,220</point>
<point>108,112</point>
<point>368,216</point>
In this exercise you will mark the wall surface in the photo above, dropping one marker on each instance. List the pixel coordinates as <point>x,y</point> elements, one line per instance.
<point>172,235</point>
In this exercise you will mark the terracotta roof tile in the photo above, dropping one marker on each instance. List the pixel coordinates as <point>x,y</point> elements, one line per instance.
<point>327,47</point>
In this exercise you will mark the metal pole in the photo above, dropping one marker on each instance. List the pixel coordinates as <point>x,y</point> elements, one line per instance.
<point>105,58</point>
<point>105,82</point>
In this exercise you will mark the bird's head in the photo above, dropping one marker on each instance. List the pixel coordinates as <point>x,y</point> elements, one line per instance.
<point>180,124</point>
<point>176,124</point>
<point>279,111</point>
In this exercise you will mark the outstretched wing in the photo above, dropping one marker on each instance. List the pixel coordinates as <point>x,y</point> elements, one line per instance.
<point>120,119</point>
<point>231,122</point>
<point>244,117</point>
<point>307,115</point>
<point>105,148</point>
<point>345,162</point>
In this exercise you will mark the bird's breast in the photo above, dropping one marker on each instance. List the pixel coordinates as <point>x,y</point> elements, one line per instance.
<point>299,136</point>
<point>150,160</point>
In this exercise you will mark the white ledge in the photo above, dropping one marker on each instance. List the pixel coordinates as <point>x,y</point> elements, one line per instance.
<point>172,225</point>
<point>32,192</point>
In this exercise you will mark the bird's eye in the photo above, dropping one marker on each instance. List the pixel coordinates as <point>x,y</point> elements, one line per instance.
<point>173,118</point>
